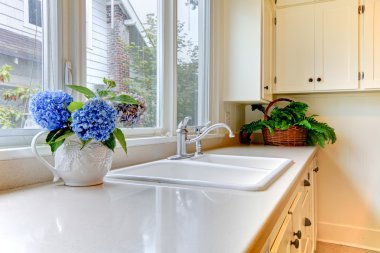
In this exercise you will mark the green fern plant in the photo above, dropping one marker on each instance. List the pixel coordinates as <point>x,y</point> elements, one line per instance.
<point>294,114</point>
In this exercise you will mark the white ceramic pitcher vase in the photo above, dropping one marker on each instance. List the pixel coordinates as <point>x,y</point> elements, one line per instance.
<point>75,165</point>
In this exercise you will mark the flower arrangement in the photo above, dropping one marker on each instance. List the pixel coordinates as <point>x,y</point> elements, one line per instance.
<point>94,119</point>
<point>130,115</point>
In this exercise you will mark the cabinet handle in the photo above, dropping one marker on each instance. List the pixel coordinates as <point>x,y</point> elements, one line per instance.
<point>306,182</point>
<point>316,169</point>
<point>298,234</point>
<point>296,243</point>
<point>266,87</point>
<point>319,79</point>
<point>307,222</point>
<point>311,80</point>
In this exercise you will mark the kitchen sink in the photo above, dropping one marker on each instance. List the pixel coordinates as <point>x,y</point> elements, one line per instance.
<point>222,171</point>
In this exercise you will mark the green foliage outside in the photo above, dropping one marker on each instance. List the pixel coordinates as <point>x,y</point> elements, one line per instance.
<point>11,116</point>
<point>294,114</point>
<point>142,78</point>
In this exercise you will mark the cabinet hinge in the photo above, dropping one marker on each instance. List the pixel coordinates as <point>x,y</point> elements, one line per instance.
<point>275,79</point>
<point>275,21</point>
<point>362,75</point>
<point>361,9</point>
<point>275,1</point>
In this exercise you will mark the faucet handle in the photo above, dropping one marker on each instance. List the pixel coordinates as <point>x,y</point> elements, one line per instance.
<point>200,129</point>
<point>183,123</point>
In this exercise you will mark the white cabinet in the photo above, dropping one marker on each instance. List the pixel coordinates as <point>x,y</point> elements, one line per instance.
<point>297,232</point>
<point>248,50</point>
<point>317,47</point>
<point>370,35</point>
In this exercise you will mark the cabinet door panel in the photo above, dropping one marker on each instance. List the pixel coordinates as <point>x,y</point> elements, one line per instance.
<point>295,48</point>
<point>371,45</point>
<point>284,236</point>
<point>336,45</point>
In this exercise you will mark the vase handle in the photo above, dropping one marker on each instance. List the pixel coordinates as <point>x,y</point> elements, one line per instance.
<point>40,158</point>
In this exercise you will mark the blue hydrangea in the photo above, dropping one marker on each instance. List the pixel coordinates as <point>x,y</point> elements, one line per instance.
<point>96,120</point>
<point>49,109</point>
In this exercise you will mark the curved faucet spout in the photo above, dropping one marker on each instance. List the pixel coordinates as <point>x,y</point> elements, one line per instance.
<point>209,129</point>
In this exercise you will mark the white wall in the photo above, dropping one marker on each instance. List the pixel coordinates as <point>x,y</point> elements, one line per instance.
<point>349,177</point>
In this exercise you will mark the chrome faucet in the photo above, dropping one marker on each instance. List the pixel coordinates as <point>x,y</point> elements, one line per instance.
<point>182,139</point>
<point>203,132</point>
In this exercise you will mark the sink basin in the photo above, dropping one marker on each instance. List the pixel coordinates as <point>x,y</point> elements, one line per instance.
<point>222,171</point>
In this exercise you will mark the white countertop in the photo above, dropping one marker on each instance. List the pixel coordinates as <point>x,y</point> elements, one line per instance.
<point>143,217</point>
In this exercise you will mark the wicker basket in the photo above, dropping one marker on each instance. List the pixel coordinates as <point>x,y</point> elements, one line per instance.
<point>294,136</point>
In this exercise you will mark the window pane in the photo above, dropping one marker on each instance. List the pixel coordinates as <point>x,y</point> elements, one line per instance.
<point>122,45</point>
<point>20,63</point>
<point>35,12</point>
<point>187,60</point>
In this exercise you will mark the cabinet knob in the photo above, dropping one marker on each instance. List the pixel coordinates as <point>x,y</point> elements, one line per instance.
<point>319,79</point>
<point>298,234</point>
<point>311,80</point>
<point>306,182</point>
<point>307,222</point>
<point>316,169</point>
<point>266,87</point>
<point>296,243</point>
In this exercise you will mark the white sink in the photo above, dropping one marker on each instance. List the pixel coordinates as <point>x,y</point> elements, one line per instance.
<point>222,171</point>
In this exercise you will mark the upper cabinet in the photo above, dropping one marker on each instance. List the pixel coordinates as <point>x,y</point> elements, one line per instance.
<point>248,50</point>
<point>316,46</point>
<point>370,35</point>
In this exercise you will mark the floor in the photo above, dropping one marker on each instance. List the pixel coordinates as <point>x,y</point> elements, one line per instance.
<point>323,247</point>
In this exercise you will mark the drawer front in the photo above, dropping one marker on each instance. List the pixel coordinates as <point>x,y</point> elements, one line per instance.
<point>282,242</point>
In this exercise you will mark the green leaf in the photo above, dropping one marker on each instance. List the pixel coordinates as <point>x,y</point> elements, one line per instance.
<point>103,93</point>
<point>51,135</point>
<point>66,134</point>
<point>124,99</point>
<point>55,145</point>
<point>109,82</point>
<point>110,143</point>
<point>84,90</point>
<point>121,138</point>
<point>73,106</point>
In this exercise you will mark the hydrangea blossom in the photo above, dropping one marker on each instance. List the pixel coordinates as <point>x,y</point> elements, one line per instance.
<point>130,115</point>
<point>49,109</point>
<point>96,120</point>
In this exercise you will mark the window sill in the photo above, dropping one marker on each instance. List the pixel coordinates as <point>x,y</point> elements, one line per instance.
<point>26,152</point>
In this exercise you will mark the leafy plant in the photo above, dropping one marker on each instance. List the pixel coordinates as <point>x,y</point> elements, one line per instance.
<point>91,120</point>
<point>5,74</point>
<point>294,114</point>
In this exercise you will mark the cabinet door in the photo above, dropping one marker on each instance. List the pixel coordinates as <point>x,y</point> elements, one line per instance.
<point>295,48</point>
<point>267,49</point>
<point>242,33</point>
<point>336,45</point>
<point>284,237</point>
<point>371,44</point>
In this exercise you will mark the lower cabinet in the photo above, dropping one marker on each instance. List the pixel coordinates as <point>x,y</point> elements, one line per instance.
<point>295,231</point>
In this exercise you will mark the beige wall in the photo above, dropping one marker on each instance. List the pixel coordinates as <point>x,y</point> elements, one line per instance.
<point>349,177</point>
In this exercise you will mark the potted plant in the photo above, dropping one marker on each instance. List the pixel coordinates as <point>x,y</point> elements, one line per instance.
<point>82,135</point>
<point>290,126</point>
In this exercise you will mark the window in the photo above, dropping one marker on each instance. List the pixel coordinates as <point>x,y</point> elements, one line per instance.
<point>21,62</point>
<point>192,81</point>
<point>33,12</point>
<point>123,43</point>
<point>125,47</point>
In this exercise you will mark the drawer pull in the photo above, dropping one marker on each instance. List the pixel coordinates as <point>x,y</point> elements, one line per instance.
<point>296,243</point>
<point>316,169</point>
<point>298,234</point>
<point>307,222</point>
<point>306,182</point>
